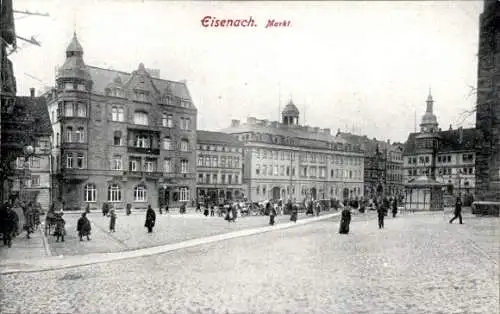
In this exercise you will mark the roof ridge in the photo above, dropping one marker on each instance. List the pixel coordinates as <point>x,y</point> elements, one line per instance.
<point>130,73</point>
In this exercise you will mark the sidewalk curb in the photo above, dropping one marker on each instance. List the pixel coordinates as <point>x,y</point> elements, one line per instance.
<point>56,262</point>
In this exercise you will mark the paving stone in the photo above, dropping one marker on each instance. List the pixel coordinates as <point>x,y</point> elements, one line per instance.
<point>418,264</point>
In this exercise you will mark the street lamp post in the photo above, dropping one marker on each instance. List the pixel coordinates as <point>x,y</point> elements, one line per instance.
<point>28,151</point>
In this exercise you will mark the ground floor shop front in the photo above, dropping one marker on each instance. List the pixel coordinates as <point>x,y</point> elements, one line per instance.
<point>260,190</point>
<point>216,195</point>
<point>94,191</point>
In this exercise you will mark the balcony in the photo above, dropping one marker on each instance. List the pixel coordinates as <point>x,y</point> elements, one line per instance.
<point>143,150</point>
<point>74,145</point>
<point>75,174</point>
<point>144,174</point>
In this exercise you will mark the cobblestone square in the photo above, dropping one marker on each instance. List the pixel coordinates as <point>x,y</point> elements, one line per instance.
<point>131,234</point>
<point>417,264</point>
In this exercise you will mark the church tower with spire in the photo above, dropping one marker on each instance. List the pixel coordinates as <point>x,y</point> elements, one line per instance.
<point>429,122</point>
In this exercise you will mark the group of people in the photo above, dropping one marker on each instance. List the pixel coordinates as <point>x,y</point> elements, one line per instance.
<point>16,216</point>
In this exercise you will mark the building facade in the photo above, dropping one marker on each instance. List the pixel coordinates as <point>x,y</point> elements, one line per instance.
<point>123,138</point>
<point>290,161</point>
<point>487,165</point>
<point>219,164</point>
<point>383,170</point>
<point>446,156</point>
<point>29,174</point>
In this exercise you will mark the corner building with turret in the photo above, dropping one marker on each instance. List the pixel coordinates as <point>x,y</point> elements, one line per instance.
<point>120,137</point>
<point>288,161</point>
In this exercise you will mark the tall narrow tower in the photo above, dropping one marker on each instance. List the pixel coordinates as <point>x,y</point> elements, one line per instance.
<point>74,85</point>
<point>429,122</point>
<point>488,105</point>
<point>290,114</point>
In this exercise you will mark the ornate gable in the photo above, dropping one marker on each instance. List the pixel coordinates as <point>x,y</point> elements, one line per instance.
<point>141,85</point>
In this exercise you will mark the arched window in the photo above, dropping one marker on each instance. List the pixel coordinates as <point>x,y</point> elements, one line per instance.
<point>141,117</point>
<point>140,194</point>
<point>184,194</point>
<point>121,114</point>
<point>69,134</point>
<point>184,145</point>
<point>80,135</point>
<point>82,110</point>
<point>167,143</point>
<point>114,114</point>
<point>167,120</point>
<point>89,193</point>
<point>114,193</point>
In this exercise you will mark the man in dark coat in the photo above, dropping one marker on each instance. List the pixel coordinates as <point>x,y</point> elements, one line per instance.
<point>345,220</point>
<point>150,219</point>
<point>458,211</point>
<point>8,222</point>
<point>294,212</point>
<point>394,208</point>
<point>83,227</point>
<point>381,211</point>
<point>272,213</point>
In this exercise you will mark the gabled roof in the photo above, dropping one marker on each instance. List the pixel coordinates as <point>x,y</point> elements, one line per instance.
<point>210,137</point>
<point>33,109</point>
<point>450,141</point>
<point>103,77</point>
<point>367,144</point>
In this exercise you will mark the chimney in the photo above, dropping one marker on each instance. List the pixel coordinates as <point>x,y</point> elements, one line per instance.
<point>389,142</point>
<point>32,92</point>
<point>235,123</point>
<point>451,127</point>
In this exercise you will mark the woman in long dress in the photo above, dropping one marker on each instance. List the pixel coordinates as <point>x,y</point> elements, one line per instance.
<point>150,219</point>
<point>345,220</point>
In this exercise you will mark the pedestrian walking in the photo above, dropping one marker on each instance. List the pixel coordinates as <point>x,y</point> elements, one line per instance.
<point>60,231</point>
<point>458,211</point>
<point>29,222</point>
<point>294,212</point>
<point>234,212</point>
<point>381,214</point>
<point>83,227</point>
<point>105,209</point>
<point>150,219</point>
<point>8,221</point>
<point>345,220</point>
<point>166,209</point>
<point>394,208</point>
<point>112,220</point>
<point>212,210</point>
<point>272,214</point>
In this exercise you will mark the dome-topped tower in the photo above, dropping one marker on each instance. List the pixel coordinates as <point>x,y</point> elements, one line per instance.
<point>290,114</point>
<point>429,121</point>
<point>74,69</point>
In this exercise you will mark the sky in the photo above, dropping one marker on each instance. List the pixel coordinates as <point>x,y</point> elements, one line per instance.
<point>361,67</point>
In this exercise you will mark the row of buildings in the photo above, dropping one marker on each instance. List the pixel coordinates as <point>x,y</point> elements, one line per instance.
<point>103,135</point>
